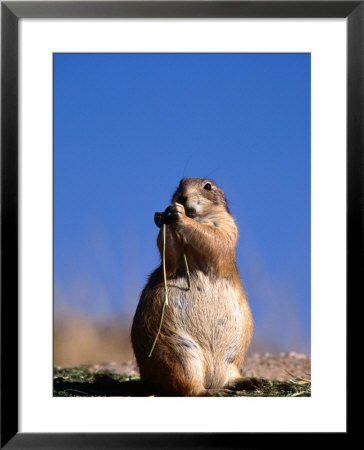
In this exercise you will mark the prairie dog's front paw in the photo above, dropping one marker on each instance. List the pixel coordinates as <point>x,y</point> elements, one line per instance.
<point>176,213</point>
<point>159,219</point>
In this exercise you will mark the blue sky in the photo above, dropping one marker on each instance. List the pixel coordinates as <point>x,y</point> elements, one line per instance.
<point>128,127</point>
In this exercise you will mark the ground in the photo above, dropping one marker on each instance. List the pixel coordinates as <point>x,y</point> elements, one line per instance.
<point>283,375</point>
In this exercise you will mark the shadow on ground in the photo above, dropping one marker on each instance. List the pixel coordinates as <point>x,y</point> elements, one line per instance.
<point>101,385</point>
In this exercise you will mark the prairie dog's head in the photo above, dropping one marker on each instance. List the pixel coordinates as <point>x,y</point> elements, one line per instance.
<point>200,197</point>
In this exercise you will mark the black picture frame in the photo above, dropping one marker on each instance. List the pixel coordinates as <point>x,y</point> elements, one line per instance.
<point>11,12</point>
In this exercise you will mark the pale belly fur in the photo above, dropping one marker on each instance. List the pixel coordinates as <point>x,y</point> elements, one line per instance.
<point>208,322</point>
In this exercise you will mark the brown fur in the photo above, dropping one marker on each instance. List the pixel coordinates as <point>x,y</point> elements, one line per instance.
<point>206,330</point>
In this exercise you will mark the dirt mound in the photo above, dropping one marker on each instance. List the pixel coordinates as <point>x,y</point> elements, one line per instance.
<point>278,367</point>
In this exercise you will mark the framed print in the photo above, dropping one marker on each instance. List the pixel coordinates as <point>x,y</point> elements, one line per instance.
<point>106,103</point>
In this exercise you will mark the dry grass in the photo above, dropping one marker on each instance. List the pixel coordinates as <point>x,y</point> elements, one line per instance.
<point>79,339</point>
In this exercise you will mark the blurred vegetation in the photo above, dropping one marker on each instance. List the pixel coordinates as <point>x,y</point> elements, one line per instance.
<point>79,381</point>
<point>81,339</point>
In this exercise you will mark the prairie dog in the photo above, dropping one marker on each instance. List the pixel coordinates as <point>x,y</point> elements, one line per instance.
<point>206,330</point>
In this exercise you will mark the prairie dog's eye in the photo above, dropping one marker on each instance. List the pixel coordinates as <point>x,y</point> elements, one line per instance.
<point>207,186</point>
